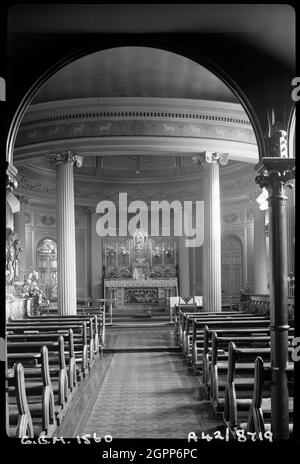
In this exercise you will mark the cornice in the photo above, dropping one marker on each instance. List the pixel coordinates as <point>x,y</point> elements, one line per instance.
<point>128,145</point>
<point>129,107</point>
<point>103,126</point>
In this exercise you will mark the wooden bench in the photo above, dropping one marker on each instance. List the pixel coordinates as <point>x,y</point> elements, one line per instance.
<point>82,353</point>
<point>219,368</point>
<point>76,337</point>
<point>195,332</point>
<point>202,357</point>
<point>74,372</point>
<point>24,345</point>
<point>24,424</point>
<point>184,310</point>
<point>35,375</point>
<point>241,365</point>
<point>38,399</point>
<point>185,317</point>
<point>97,323</point>
<point>258,420</point>
<point>61,326</point>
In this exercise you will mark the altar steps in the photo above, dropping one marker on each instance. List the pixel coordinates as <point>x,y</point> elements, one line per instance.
<point>136,322</point>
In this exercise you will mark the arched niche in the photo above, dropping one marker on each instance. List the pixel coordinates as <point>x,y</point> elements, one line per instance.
<point>46,264</point>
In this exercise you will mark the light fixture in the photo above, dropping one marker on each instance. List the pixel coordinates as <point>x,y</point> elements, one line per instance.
<point>262,200</point>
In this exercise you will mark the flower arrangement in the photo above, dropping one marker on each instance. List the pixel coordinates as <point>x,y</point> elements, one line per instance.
<point>168,272</point>
<point>168,252</point>
<point>31,289</point>
<point>124,251</point>
<point>110,250</point>
<point>156,252</point>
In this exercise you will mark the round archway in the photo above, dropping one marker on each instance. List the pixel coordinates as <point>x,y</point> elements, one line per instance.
<point>217,77</point>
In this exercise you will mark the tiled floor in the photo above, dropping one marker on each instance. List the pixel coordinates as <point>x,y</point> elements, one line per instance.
<point>148,394</point>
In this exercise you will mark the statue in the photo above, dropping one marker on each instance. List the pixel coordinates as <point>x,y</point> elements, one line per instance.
<point>15,264</point>
<point>13,250</point>
<point>9,270</point>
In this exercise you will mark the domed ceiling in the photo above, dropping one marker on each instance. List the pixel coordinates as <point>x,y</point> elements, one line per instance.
<point>138,115</point>
<point>134,72</point>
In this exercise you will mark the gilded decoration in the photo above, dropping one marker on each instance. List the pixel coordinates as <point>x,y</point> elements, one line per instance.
<point>140,257</point>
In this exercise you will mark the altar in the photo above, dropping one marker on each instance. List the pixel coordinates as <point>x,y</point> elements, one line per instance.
<point>140,272</point>
<point>132,294</point>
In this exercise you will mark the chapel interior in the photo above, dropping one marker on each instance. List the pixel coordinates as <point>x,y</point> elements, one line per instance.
<point>145,327</point>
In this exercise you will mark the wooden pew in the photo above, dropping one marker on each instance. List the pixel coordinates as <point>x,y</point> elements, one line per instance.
<point>179,310</point>
<point>194,331</point>
<point>202,356</point>
<point>241,362</point>
<point>202,353</point>
<point>190,310</point>
<point>36,377</point>
<point>95,322</point>
<point>40,403</point>
<point>186,317</point>
<point>219,369</point>
<point>82,353</point>
<point>34,334</point>
<point>73,370</point>
<point>24,426</point>
<point>258,420</point>
<point>99,323</point>
<point>42,333</point>
<point>28,335</point>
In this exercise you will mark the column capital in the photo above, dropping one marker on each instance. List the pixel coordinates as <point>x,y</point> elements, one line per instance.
<point>275,174</point>
<point>11,177</point>
<point>208,157</point>
<point>67,157</point>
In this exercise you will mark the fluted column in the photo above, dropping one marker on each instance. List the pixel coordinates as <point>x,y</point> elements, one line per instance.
<point>184,268</point>
<point>65,229</point>
<point>260,253</point>
<point>212,297</point>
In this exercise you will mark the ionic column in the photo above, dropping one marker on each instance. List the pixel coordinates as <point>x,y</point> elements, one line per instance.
<point>65,230</point>
<point>184,268</point>
<point>275,174</point>
<point>260,253</point>
<point>212,296</point>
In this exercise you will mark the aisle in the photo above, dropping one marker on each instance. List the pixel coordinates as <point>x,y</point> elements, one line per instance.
<point>148,394</point>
